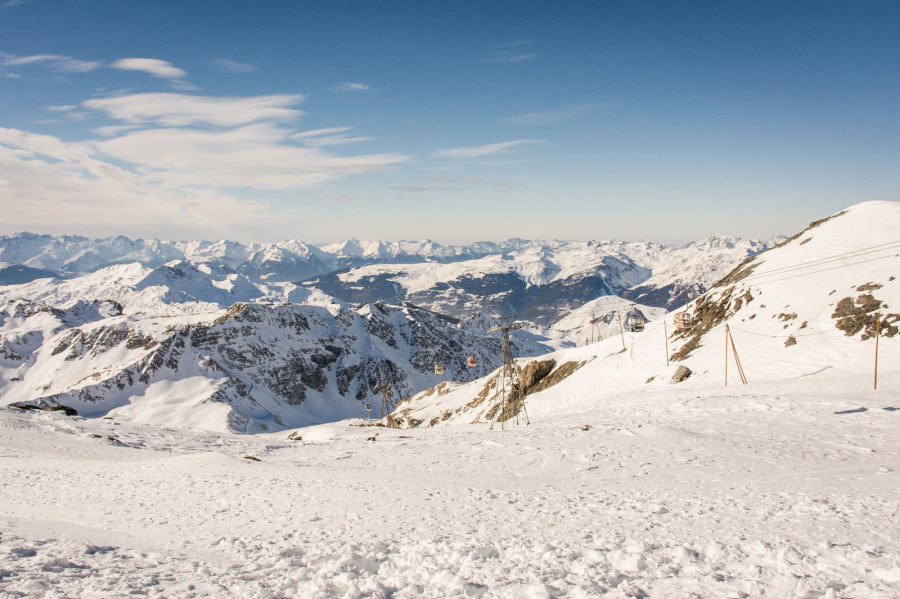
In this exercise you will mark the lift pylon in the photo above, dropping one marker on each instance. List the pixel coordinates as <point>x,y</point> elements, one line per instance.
<point>510,399</point>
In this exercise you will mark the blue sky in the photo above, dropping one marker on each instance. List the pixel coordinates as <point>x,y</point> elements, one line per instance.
<point>270,120</point>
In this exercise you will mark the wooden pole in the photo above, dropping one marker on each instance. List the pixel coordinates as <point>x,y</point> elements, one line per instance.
<point>621,330</point>
<point>737,360</point>
<point>727,334</point>
<point>877,335</point>
<point>666,335</point>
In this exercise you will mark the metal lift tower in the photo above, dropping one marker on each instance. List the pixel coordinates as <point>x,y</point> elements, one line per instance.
<point>511,401</point>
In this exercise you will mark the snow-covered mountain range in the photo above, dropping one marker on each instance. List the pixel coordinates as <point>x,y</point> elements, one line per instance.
<point>268,336</point>
<point>539,281</point>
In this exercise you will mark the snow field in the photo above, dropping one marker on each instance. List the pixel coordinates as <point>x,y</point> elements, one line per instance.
<point>782,489</point>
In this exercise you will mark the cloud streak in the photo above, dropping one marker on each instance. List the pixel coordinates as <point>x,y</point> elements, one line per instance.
<point>175,110</point>
<point>232,66</point>
<point>56,62</point>
<point>334,136</point>
<point>517,51</point>
<point>152,66</point>
<point>468,153</point>
<point>350,87</point>
<point>255,156</point>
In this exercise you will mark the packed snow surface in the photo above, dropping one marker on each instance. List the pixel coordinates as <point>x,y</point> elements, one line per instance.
<point>781,489</point>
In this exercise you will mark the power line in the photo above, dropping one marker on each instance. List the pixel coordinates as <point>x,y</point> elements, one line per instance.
<point>813,263</point>
<point>826,332</point>
<point>822,270</point>
<point>851,254</point>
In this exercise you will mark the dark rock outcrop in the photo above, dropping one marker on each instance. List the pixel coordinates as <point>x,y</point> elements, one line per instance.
<point>681,374</point>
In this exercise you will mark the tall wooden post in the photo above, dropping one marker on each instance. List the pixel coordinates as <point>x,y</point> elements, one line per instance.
<point>877,335</point>
<point>666,335</point>
<point>621,330</point>
<point>726,354</point>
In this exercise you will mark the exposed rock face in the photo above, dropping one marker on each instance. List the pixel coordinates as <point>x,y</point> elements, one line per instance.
<point>681,374</point>
<point>534,372</point>
<point>479,403</point>
<point>561,373</point>
<point>64,409</point>
<point>863,315</point>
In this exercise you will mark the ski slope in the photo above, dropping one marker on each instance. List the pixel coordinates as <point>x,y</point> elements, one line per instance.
<point>782,489</point>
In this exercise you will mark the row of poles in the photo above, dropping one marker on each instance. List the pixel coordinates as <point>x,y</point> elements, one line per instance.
<point>729,345</point>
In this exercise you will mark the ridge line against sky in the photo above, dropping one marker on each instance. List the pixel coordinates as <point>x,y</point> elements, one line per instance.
<point>453,123</point>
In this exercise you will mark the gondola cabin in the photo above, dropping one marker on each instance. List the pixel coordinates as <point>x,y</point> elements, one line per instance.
<point>438,368</point>
<point>634,323</point>
<point>472,361</point>
<point>683,321</point>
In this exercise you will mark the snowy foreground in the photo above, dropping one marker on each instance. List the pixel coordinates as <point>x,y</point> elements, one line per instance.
<point>779,489</point>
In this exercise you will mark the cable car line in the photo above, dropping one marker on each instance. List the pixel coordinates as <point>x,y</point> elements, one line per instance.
<point>812,263</point>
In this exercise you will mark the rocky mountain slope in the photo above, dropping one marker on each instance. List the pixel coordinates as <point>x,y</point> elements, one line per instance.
<point>250,368</point>
<point>810,307</point>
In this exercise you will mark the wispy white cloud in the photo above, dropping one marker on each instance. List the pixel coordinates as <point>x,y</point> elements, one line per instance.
<point>251,148</point>
<point>62,187</point>
<point>71,112</point>
<point>12,3</point>
<point>153,66</point>
<point>177,110</point>
<point>320,132</point>
<point>32,144</point>
<point>113,130</point>
<point>232,66</point>
<point>169,159</point>
<point>77,66</point>
<point>182,85</point>
<point>175,182</point>
<point>481,151</point>
<point>334,136</point>
<point>517,51</point>
<point>35,58</point>
<point>254,156</point>
<point>56,62</point>
<point>548,117</point>
<point>350,87</point>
